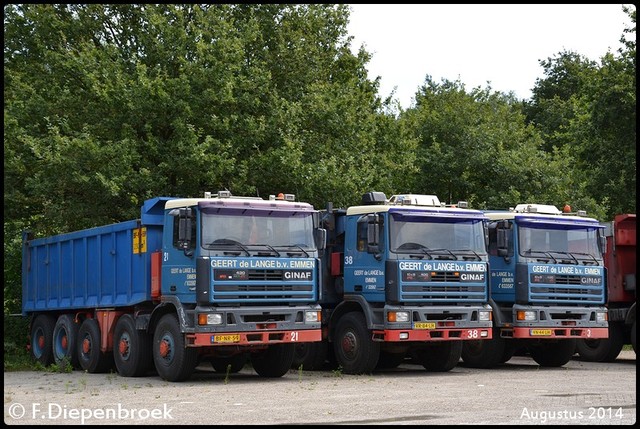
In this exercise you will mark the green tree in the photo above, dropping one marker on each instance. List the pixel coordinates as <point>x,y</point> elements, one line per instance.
<point>476,146</point>
<point>589,109</point>
<point>108,105</point>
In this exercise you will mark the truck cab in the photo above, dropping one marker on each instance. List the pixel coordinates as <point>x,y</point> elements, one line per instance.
<point>242,274</point>
<point>547,285</point>
<point>407,278</point>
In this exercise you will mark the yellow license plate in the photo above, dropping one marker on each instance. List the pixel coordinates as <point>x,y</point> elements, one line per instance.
<point>226,338</point>
<point>424,325</point>
<point>541,332</point>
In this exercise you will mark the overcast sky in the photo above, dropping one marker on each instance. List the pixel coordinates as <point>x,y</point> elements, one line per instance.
<point>501,44</point>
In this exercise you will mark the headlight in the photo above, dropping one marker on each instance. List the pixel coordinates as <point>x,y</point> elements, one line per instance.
<point>601,317</point>
<point>214,319</point>
<point>312,316</point>
<point>527,316</point>
<point>484,316</point>
<point>398,316</point>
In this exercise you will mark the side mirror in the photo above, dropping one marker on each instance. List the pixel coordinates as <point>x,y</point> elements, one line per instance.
<point>321,238</point>
<point>502,238</point>
<point>373,234</point>
<point>185,225</point>
<point>603,244</point>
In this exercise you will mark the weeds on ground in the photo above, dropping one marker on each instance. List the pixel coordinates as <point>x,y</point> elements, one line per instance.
<point>17,358</point>
<point>64,366</point>
<point>227,375</point>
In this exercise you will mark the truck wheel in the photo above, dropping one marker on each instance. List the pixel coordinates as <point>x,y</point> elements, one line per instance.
<point>310,356</point>
<point>90,357</point>
<point>273,362</point>
<point>553,353</point>
<point>65,338</point>
<point>633,336</point>
<point>510,349</point>
<point>42,339</point>
<point>483,353</point>
<point>390,360</point>
<point>355,351</point>
<point>131,348</point>
<point>233,363</point>
<point>441,356</point>
<point>603,349</point>
<point>174,360</point>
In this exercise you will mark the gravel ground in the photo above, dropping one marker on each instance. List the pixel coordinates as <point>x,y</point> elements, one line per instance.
<point>518,392</point>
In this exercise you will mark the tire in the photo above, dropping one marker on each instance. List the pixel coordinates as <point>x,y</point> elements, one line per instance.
<point>440,357</point>
<point>633,336</point>
<point>603,349</point>
<point>354,349</point>
<point>553,353</point>
<point>273,362</point>
<point>131,348</point>
<point>65,340</point>
<point>232,363</point>
<point>42,339</point>
<point>173,359</point>
<point>484,353</point>
<point>310,356</point>
<point>389,360</point>
<point>510,349</point>
<point>332,362</point>
<point>90,357</point>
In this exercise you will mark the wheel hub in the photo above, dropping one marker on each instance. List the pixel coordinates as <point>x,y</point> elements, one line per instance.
<point>123,347</point>
<point>349,344</point>
<point>165,348</point>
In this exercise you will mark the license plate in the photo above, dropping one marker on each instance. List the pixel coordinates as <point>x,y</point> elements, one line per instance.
<point>541,332</point>
<point>225,338</point>
<point>424,325</point>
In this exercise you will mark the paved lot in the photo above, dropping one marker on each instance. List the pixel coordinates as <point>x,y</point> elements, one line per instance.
<point>518,392</point>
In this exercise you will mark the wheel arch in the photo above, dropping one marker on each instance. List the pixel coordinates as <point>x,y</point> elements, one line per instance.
<point>351,304</point>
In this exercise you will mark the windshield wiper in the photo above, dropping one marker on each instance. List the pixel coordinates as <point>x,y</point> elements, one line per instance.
<point>268,247</point>
<point>545,253</point>
<point>455,258</point>
<point>595,261</point>
<point>299,247</point>
<point>227,242</point>
<point>566,253</point>
<point>468,250</point>
<point>410,248</point>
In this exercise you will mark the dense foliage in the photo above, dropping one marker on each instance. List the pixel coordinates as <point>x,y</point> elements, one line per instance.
<point>108,105</point>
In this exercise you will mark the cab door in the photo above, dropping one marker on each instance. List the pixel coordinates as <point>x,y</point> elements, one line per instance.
<point>363,258</point>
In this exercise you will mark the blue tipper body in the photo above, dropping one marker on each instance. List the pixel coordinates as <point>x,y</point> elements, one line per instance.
<point>106,266</point>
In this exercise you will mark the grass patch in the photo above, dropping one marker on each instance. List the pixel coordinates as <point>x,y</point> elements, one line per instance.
<point>18,358</point>
<point>16,338</point>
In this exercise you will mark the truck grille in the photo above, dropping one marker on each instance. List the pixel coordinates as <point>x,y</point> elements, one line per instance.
<point>454,292</point>
<point>556,294</point>
<point>261,286</point>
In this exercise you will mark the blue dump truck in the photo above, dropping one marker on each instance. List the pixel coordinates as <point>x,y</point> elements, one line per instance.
<point>221,279</point>
<point>404,278</point>
<point>547,285</point>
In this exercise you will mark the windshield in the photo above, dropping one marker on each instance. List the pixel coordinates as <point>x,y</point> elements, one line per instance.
<point>266,228</point>
<point>554,241</point>
<point>454,237</point>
